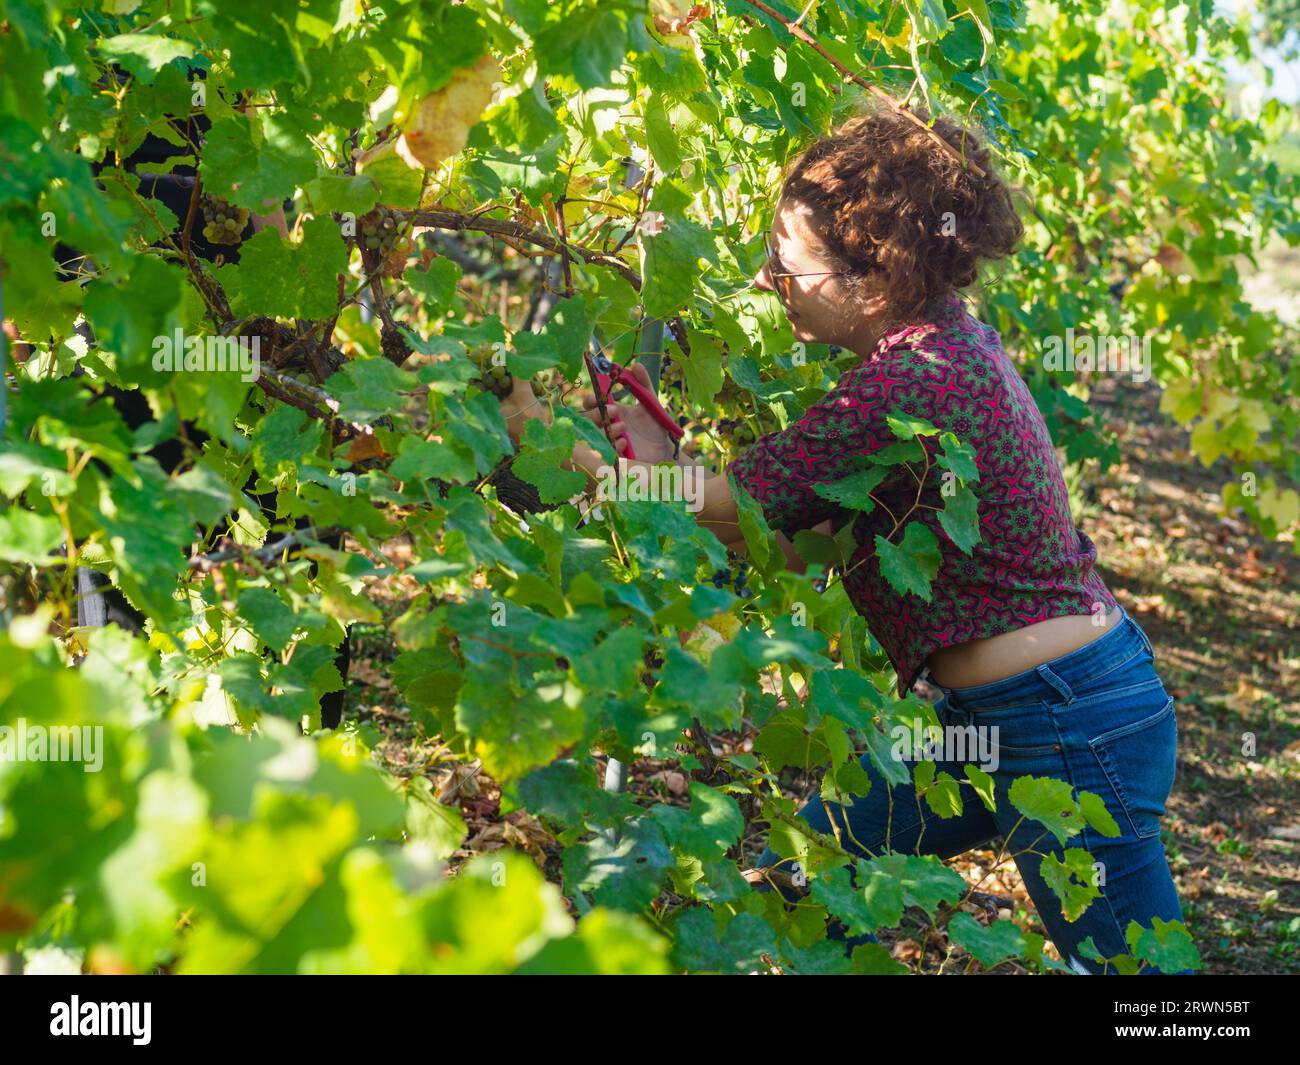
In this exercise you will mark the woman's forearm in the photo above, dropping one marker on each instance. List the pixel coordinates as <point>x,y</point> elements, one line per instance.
<point>718,511</point>
<point>717,514</point>
<point>520,407</point>
<point>717,507</point>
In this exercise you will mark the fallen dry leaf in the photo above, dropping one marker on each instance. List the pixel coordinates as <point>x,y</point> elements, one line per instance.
<point>365,447</point>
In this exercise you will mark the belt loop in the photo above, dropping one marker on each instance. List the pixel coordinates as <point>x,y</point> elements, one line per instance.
<point>958,713</point>
<point>1055,682</point>
<point>949,705</point>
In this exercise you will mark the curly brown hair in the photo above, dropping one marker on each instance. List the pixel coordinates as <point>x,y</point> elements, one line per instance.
<point>904,217</point>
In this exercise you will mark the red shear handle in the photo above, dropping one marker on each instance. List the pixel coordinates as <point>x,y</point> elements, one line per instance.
<point>646,398</point>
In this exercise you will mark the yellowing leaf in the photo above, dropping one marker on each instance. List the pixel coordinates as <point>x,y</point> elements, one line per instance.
<point>1255,415</point>
<point>346,606</point>
<point>727,624</point>
<point>1220,403</point>
<point>575,211</point>
<point>441,124</point>
<point>672,20</point>
<point>1182,399</point>
<point>1282,507</point>
<point>1206,442</point>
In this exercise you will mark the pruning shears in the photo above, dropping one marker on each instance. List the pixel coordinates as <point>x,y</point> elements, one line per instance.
<point>609,374</point>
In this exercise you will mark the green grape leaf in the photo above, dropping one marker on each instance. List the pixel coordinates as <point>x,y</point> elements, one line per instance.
<point>1073,881</point>
<point>271,618</point>
<point>989,944</point>
<point>369,388</point>
<point>912,564</point>
<point>753,525</point>
<point>872,959</point>
<point>959,457</point>
<point>436,284</point>
<point>926,881</point>
<point>876,902</point>
<point>544,449</point>
<point>702,369</point>
<point>960,519</point>
<point>982,782</point>
<point>277,277</point>
<point>436,823</point>
<point>144,54</point>
<point>1049,802</point>
<point>27,537</point>
<point>607,943</point>
<point>906,427</point>
<point>708,829</point>
<point>353,194</point>
<point>854,491</point>
<point>1166,945</point>
<point>698,947</point>
<point>257,162</point>
<point>671,256</point>
<point>943,796</point>
<point>285,436</point>
<point>624,874</point>
<point>1095,813</point>
<point>241,676</point>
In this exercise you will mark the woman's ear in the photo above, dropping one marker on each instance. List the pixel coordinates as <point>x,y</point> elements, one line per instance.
<point>860,324</point>
<point>872,304</point>
<point>876,305</point>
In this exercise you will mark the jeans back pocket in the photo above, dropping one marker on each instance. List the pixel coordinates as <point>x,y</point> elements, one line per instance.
<point>1139,760</point>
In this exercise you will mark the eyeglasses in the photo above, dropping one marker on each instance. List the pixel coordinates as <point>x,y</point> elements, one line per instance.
<point>781,277</point>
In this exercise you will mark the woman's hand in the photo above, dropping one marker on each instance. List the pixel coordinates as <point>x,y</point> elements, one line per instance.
<point>521,405</point>
<point>633,423</point>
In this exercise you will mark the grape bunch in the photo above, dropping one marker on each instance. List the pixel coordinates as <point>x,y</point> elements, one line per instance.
<point>223,222</point>
<point>491,377</point>
<point>386,242</point>
<point>737,432</point>
<point>670,375</point>
<point>737,575</point>
<point>379,233</point>
<point>394,345</point>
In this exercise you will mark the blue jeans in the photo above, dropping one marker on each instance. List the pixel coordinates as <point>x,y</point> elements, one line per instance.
<point>1098,718</point>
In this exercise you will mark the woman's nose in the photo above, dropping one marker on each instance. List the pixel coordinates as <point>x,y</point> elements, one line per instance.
<point>762,281</point>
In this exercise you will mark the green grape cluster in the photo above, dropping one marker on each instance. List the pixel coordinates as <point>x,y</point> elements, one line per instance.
<point>737,432</point>
<point>671,378</point>
<point>491,376</point>
<point>379,232</point>
<point>223,222</point>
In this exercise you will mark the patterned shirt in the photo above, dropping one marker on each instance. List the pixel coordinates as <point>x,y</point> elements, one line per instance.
<point>1030,563</point>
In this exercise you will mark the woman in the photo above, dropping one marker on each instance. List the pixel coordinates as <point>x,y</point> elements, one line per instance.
<point>876,230</point>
